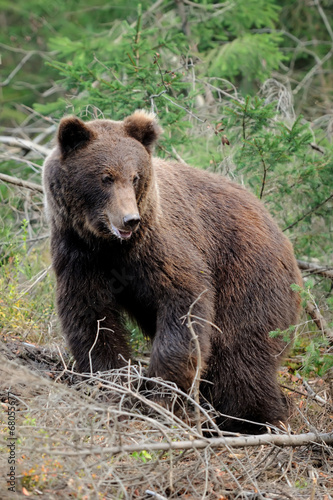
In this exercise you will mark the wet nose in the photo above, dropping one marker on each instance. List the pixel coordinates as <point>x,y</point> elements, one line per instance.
<point>131,220</point>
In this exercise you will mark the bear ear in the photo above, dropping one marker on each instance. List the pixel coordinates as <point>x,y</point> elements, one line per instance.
<point>73,133</point>
<point>143,127</point>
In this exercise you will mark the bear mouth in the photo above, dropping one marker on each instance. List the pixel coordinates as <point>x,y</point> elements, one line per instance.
<point>122,235</point>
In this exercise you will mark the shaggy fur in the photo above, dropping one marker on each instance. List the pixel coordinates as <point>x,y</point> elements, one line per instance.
<point>138,235</point>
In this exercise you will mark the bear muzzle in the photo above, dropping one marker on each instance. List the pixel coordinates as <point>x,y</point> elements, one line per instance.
<point>130,224</point>
<point>132,220</point>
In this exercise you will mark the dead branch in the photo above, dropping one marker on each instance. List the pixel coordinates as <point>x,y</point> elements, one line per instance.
<point>311,393</point>
<point>206,6</point>
<point>327,24</point>
<point>20,159</point>
<point>179,158</point>
<point>25,144</point>
<point>144,15</point>
<point>325,271</point>
<point>106,410</point>
<point>188,111</point>
<point>324,18</point>
<point>17,68</point>
<point>20,182</point>
<point>184,18</point>
<point>196,381</point>
<point>313,311</point>
<point>155,495</point>
<point>317,148</point>
<point>309,212</point>
<point>197,444</point>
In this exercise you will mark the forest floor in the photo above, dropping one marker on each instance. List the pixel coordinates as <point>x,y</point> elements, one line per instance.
<point>100,438</point>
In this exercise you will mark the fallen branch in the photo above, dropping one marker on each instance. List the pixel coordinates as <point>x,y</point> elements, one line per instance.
<point>313,311</point>
<point>20,182</point>
<point>312,394</point>
<point>25,144</point>
<point>309,212</point>
<point>17,69</point>
<point>317,148</point>
<point>197,444</point>
<point>196,381</point>
<point>155,495</point>
<point>314,269</point>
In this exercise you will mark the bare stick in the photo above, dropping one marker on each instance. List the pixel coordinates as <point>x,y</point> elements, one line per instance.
<point>315,269</point>
<point>207,6</point>
<point>184,18</point>
<point>95,342</point>
<point>155,495</point>
<point>308,213</point>
<point>25,144</point>
<point>179,158</point>
<point>317,148</point>
<point>311,392</point>
<point>263,184</point>
<point>64,365</point>
<point>10,156</point>
<point>324,18</point>
<point>235,442</point>
<point>182,107</point>
<point>20,182</point>
<point>197,377</point>
<point>17,69</point>
<point>319,320</point>
<point>39,277</point>
<point>311,73</point>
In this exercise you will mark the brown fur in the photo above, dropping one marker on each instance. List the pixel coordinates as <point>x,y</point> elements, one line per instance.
<point>197,231</point>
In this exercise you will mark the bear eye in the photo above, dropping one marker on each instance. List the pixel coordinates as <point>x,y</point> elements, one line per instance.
<point>107,179</point>
<point>136,180</point>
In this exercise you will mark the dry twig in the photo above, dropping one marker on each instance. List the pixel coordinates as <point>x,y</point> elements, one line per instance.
<point>325,271</point>
<point>197,377</point>
<point>319,320</point>
<point>25,144</point>
<point>100,430</point>
<point>20,182</point>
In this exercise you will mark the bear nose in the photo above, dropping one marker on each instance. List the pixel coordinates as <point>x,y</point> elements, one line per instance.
<point>131,220</point>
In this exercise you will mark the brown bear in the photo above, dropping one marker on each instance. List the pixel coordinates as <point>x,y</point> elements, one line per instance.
<point>143,237</point>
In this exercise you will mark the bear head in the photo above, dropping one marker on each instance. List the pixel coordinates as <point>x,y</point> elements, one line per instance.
<point>100,175</point>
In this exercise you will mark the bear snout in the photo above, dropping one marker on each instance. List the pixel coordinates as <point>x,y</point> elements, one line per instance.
<point>132,221</point>
<point>124,228</point>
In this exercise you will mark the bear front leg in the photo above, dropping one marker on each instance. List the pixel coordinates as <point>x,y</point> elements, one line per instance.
<point>174,354</point>
<point>91,324</point>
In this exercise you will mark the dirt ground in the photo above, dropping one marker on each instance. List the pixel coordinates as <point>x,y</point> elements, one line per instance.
<point>67,429</point>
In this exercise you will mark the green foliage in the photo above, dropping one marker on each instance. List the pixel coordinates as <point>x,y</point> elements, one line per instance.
<point>243,41</point>
<point>305,291</point>
<point>142,456</point>
<point>137,339</point>
<point>282,168</point>
<point>247,14</point>
<point>316,360</point>
<point>132,71</point>
<point>81,34</point>
<point>315,357</point>
<point>111,59</point>
<point>253,56</point>
<point>29,27</point>
<point>228,44</point>
<point>26,290</point>
<point>287,335</point>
